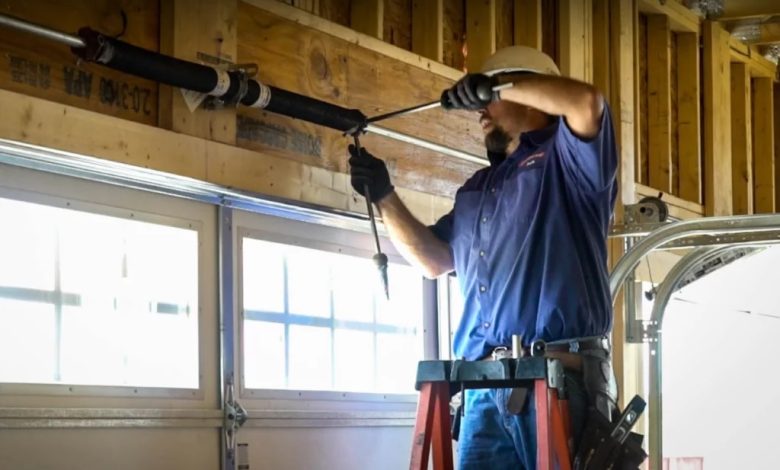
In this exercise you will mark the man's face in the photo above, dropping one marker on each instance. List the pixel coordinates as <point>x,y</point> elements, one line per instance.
<point>502,122</point>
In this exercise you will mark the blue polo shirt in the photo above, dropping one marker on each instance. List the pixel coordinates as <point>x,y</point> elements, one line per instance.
<point>529,241</point>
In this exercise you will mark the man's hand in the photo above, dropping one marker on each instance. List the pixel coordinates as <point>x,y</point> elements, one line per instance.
<point>366,169</point>
<point>472,92</point>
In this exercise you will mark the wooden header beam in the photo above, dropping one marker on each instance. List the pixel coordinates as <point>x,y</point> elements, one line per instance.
<point>759,65</point>
<point>365,41</point>
<point>681,18</point>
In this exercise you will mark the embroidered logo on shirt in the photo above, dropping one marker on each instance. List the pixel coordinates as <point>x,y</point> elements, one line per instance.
<point>531,160</point>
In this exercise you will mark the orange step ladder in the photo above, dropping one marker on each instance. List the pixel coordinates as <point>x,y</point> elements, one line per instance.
<point>435,379</point>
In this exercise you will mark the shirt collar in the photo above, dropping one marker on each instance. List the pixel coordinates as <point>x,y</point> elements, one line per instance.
<point>532,139</point>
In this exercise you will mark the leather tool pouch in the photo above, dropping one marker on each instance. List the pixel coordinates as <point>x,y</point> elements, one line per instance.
<point>598,450</point>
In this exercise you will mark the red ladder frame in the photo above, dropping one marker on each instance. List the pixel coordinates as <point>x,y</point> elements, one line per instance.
<point>432,428</point>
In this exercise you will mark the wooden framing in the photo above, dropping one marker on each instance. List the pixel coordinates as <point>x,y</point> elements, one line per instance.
<point>202,31</point>
<point>681,19</point>
<point>367,17</point>
<point>528,23</point>
<point>688,116</point>
<point>741,139</point>
<point>759,65</point>
<point>366,42</point>
<point>717,121</point>
<point>601,45</point>
<point>428,28</point>
<point>623,91</point>
<point>39,67</point>
<point>47,124</point>
<point>620,82</point>
<point>575,41</point>
<point>763,145</point>
<point>328,68</point>
<point>480,32</point>
<point>659,102</point>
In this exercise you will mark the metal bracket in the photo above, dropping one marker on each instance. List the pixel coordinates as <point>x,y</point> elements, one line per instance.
<point>234,417</point>
<point>555,377</point>
<point>650,210</point>
<point>642,331</point>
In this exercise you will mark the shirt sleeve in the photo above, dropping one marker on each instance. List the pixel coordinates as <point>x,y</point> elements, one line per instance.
<point>443,227</point>
<point>593,161</point>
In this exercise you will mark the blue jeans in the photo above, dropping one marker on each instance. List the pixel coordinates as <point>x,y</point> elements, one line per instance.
<point>495,439</point>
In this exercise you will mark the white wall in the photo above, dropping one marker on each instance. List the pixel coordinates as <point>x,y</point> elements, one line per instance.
<point>721,389</point>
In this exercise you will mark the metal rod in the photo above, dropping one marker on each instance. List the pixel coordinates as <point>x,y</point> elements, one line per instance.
<point>425,106</point>
<point>413,109</point>
<point>42,31</point>
<point>449,151</point>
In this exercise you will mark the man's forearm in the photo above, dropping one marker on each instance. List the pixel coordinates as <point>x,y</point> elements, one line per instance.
<point>415,241</point>
<point>580,103</point>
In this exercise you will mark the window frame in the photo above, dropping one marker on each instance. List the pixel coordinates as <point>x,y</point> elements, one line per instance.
<point>352,238</point>
<point>69,194</point>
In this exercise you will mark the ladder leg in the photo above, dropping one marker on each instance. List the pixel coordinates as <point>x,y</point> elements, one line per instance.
<point>563,406</point>
<point>442,435</point>
<point>559,432</point>
<point>543,437</point>
<point>421,443</point>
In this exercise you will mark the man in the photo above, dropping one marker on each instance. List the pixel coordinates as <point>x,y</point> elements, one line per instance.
<point>527,240</point>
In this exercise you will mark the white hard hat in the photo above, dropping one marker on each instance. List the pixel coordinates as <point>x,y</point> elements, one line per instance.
<point>519,59</point>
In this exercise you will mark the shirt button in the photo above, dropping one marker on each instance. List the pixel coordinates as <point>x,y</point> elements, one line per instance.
<point>482,253</point>
<point>486,324</point>
<point>484,219</point>
<point>493,190</point>
<point>482,288</point>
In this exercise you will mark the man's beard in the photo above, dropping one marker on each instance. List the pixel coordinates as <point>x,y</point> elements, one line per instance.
<point>496,143</point>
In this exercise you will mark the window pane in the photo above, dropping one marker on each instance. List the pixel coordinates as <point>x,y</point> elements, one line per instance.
<point>27,244</point>
<point>309,282</point>
<point>337,310</point>
<point>264,355</point>
<point>354,284</point>
<point>122,296</point>
<point>27,341</point>
<point>404,309</point>
<point>397,357</point>
<point>354,362</point>
<point>310,358</point>
<point>263,265</point>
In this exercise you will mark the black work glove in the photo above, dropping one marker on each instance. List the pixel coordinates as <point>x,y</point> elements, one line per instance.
<point>366,169</point>
<point>472,92</point>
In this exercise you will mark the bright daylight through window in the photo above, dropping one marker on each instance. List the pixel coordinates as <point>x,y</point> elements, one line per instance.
<point>89,299</point>
<point>317,320</point>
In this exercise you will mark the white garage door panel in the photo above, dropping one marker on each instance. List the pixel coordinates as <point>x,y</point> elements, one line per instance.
<point>116,449</point>
<point>376,448</point>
